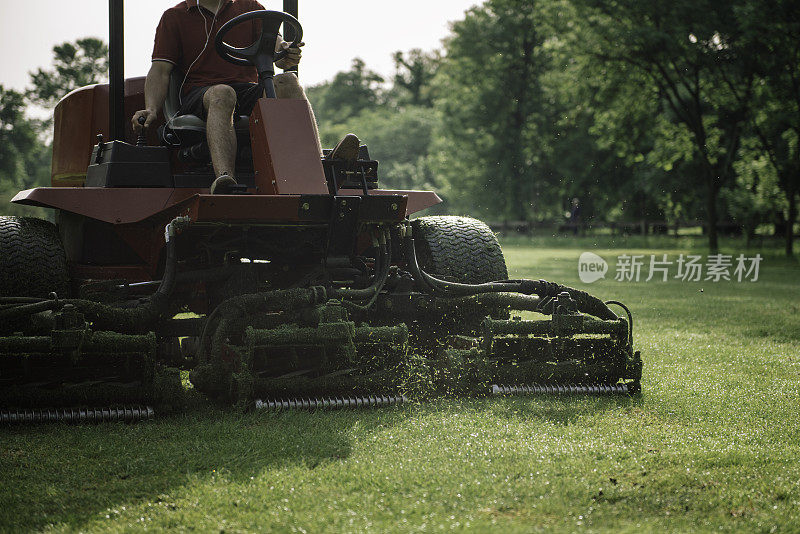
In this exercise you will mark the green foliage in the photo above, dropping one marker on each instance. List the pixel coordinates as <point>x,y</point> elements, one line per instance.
<point>756,197</point>
<point>348,94</point>
<point>17,135</point>
<point>399,133</point>
<point>25,151</point>
<point>640,110</point>
<point>494,115</point>
<point>24,161</point>
<point>770,31</point>
<point>413,78</point>
<point>687,56</point>
<point>75,65</point>
<point>400,141</point>
<point>607,167</point>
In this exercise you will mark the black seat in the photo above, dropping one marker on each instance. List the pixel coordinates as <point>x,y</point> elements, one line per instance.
<point>188,131</point>
<point>188,134</point>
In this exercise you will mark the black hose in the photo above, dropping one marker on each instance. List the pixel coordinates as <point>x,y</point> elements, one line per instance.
<point>376,288</point>
<point>513,301</point>
<point>413,264</point>
<point>586,302</point>
<point>161,297</point>
<point>454,289</point>
<point>630,318</point>
<point>20,300</point>
<point>113,317</point>
<point>383,266</point>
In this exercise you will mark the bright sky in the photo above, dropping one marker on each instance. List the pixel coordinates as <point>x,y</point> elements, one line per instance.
<point>334,32</point>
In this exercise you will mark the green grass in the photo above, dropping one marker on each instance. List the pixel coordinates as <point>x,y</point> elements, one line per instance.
<point>712,444</point>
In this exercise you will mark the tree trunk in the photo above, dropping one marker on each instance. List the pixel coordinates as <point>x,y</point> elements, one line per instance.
<point>791,196</point>
<point>711,216</point>
<point>519,118</point>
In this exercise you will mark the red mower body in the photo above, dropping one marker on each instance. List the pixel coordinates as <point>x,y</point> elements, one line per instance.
<point>117,232</point>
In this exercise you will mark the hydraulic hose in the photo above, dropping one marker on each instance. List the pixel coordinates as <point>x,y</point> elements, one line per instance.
<point>383,266</point>
<point>216,274</point>
<point>442,288</point>
<point>113,317</point>
<point>30,309</point>
<point>161,297</point>
<point>630,318</point>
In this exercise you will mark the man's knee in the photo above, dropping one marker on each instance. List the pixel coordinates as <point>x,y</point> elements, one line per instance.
<point>287,86</point>
<point>220,97</point>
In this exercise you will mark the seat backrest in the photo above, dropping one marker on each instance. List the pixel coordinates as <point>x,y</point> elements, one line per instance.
<point>173,101</point>
<point>172,104</point>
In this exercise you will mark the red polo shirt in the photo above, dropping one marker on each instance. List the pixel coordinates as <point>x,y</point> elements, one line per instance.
<point>181,40</point>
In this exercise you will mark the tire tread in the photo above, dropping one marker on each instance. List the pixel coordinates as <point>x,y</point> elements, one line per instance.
<point>32,259</point>
<point>459,249</point>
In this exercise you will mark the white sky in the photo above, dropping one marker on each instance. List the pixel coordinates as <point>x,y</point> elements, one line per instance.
<point>335,31</point>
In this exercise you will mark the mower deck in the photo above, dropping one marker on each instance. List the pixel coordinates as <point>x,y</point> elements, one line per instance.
<point>309,288</point>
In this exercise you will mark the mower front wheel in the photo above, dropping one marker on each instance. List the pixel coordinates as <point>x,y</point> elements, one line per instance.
<point>459,249</point>
<point>463,250</point>
<point>32,259</point>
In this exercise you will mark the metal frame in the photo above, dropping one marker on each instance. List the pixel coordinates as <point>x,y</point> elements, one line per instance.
<point>116,70</point>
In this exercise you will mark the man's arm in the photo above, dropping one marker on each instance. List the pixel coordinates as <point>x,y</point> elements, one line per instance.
<point>155,92</point>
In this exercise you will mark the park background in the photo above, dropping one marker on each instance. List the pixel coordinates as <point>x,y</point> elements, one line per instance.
<point>675,124</point>
<point>664,118</point>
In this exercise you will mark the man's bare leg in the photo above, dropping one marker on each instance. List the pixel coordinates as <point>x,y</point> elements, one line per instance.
<point>220,102</point>
<point>287,86</point>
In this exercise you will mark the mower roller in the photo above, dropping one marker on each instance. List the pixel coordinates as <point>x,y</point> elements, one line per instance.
<point>306,286</point>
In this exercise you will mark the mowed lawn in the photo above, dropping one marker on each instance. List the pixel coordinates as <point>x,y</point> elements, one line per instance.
<point>712,444</point>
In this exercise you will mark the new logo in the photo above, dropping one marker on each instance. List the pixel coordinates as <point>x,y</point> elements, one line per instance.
<point>591,267</point>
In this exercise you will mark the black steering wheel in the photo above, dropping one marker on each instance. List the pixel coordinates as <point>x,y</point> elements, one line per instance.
<point>261,53</point>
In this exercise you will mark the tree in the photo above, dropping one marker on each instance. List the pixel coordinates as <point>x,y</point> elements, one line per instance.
<point>24,148</point>
<point>22,158</point>
<point>400,140</point>
<point>414,74</point>
<point>494,117</point>
<point>17,134</point>
<point>770,31</point>
<point>399,136</point>
<point>24,162</point>
<point>685,49</point>
<point>75,65</point>
<point>756,197</point>
<point>603,138</point>
<point>348,94</point>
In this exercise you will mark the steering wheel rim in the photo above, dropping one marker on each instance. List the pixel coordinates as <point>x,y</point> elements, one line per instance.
<point>263,47</point>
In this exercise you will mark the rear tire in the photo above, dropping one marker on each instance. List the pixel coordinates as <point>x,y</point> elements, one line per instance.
<point>32,259</point>
<point>459,249</point>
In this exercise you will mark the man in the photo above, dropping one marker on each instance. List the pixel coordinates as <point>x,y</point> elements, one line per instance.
<point>213,88</point>
<point>575,215</point>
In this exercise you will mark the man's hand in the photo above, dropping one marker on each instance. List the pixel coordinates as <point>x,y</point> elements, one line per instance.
<point>149,116</point>
<point>293,54</point>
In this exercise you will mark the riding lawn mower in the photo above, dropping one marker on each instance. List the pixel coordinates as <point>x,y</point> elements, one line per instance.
<point>305,286</point>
